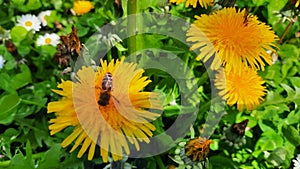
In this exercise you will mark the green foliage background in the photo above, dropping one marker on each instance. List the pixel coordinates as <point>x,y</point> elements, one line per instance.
<point>27,78</point>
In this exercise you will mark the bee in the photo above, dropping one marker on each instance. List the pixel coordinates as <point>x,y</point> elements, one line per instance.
<point>106,88</point>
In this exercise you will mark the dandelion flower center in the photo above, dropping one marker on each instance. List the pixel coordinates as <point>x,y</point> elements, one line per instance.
<point>28,23</point>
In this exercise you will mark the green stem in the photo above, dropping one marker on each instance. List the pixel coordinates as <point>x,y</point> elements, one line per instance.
<point>33,103</point>
<point>293,20</point>
<point>276,102</point>
<point>203,78</point>
<point>32,48</point>
<point>34,156</point>
<point>131,26</point>
<point>25,123</point>
<point>159,162</point>
<point>109,56</point>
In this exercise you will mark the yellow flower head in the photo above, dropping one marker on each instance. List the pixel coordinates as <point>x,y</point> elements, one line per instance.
<point>107,107</point>
<point>198,148</point>
<point>82,7</point>
<point>203,3</point>
<point>232,38</point>
<point>245,89</point>
<point>297,3</point>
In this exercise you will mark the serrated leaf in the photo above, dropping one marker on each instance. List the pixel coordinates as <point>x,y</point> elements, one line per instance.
<point>295,81</point>
<point>51,158</point>
<point>19,162</point>
<point>291,134</point>
<point>277,157</point>
<point>288,51</point>
<point>269,141</point>
<point>29,153</point>
<point>225,164</point>
<point>285,68</point>
<point>264,127</point>
<point>10,134</point>
<point>292,118</point>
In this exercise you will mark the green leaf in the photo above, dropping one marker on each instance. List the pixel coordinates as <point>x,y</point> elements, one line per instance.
<point>120,47</point>
<point>8,105</point>
<point>21,79</point>
<point>147,4</point>
<point>124,6</point>
<point>293,118</point>
<point>222,162</point>
<point>23,50</point>
<point>7,138</point>
<point>18,2</point>
<point>19,162</point>
<point>260,2</point>
<point>278,157</point>
<point>295,81</point>
<point>29,153</point>
<point>5,83</point>
<point>18,33</point>
<point>47,50</point>
<point>57,4</point>
<point>286,68</point>
<point>171,111</point>
<point>51,158</point>
<point>273,7</point>
<point>288,51</point>
<point>10,133</point>
<point>264,127</point>
<point>82,30</point>
<point>30,5</point>
<point>291,134</point>
<point>54,16</point>
<point>215,145</point>
<point>269,141</point>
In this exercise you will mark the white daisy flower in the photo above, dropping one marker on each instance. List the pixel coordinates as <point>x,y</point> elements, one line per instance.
<point>48,39</point>
<point>29,22</point>
<point>42,16</point>
<point>297,162</point>
<point>2,61</point>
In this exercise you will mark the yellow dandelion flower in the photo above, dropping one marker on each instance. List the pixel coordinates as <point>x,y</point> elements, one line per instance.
<point>203,3</point>
<point>245,89</point>
<point>232,38</point>
<point>82,7</point>
<point>297,3</point>
<point>198,148</point>
<point>107,107</point>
